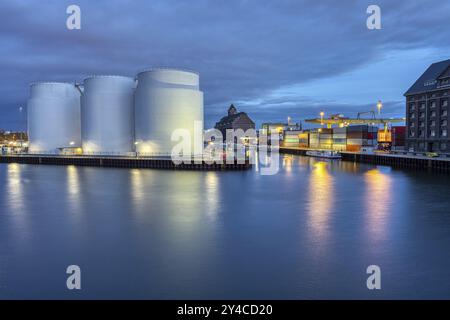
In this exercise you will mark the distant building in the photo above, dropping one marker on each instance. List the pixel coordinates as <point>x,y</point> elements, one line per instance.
<point>427,109</point>
<point>234,120</point>
<point>279,127</point>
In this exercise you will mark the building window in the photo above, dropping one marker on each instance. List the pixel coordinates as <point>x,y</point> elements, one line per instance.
<point>444,133</point>
<point>432,133</point>
<point>412,125</point>
<point>422,106</point>
<point>422,115</point>
<point>412,116</point>
<point>444,113</point>
<point>433,114</point>
<point>445,103</point>
<point>421,134</point>
<point>433,95</point>
<point>433,104</point>
<point>412,107</point>
<point>444,123</point>
<point>432,123</point>
<point>411,133</point>
<point>421,145</point>
<point>443,146</point>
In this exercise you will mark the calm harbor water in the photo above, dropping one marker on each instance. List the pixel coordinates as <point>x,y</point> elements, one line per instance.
<point>309,231</point>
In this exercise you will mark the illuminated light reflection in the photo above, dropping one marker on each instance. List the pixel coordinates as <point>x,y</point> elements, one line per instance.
<point>14,188</point>
<point>321,199</point>
<point>73,187</point>
<point>378,200</point>
<point>287,163</point>
<point>212,194</point>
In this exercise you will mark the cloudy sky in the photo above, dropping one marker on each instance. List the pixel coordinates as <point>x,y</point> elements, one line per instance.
<point>273,58</point>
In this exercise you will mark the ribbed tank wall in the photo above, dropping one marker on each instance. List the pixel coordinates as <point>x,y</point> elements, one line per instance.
<point>167,100</point>
<point>107,115</point>
<point>53,117</point>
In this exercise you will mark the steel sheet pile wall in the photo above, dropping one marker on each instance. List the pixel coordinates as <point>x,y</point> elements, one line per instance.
<point>167,100</point>
<point>107,111</point>
<point>53,117</point>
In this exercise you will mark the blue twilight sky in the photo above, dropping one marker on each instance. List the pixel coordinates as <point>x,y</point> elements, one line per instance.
<point>273,59</point>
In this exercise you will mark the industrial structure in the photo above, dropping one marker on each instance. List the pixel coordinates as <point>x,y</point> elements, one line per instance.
<point>54,119</point>
<point>167,100</point>
<point>427,110</point>
<point>116,115</point>
<point>107,115</point>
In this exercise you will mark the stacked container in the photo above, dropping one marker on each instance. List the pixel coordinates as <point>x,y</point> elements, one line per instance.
<point>340,139</point>
<point>361,136</point>
<point>303,139</point>
<point>291,138</point>
<point>398,137</point>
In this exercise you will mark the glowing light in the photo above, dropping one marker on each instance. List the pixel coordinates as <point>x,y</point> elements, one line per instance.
<point>379,106</point>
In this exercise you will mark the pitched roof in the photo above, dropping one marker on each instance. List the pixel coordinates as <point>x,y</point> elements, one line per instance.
<point>428,80</point>
<point>229,119</point>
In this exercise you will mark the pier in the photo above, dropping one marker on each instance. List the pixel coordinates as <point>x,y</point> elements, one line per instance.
<point>393,160</point>
<point>122,162</point>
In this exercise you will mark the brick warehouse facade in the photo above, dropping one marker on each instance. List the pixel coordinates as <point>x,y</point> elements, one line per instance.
<point>427,110</point>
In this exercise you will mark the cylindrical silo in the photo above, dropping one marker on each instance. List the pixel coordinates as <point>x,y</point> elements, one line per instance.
<point>167,100</point>
<point>107,115</point>
<point>53,117</point>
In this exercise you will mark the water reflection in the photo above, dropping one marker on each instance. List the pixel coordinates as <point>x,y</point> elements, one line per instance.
<point>73,187</point>
<point>212,194</point>
<point>377,201</point>
<point>321,199</point>
<point>14,188</point>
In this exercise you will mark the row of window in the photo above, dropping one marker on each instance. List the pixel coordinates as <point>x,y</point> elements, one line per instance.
<point>433,104</point>
<point>432,123</point>
<point>432,133</point>
<point>433,113</point>
<point>429,96</point>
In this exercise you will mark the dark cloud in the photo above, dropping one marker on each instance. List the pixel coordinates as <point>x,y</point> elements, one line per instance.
<point>242,49</point>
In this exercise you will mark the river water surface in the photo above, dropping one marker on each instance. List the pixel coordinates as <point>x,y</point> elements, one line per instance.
<point>309,231</point>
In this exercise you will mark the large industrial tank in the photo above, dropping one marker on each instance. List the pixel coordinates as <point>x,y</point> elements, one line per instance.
<point>107,115</point>
<point>166,100</point>
<point>53,117</point>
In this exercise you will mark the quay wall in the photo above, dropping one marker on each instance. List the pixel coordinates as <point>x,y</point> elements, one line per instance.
<point>399,161</point>
<point>121,162</point>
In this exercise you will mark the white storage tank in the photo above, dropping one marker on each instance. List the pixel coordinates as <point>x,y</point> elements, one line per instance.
<point>166,100</point>
<point>107,115</point>
<point>53,117</point>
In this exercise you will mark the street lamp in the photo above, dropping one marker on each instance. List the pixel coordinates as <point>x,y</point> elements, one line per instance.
<point>379,106</point>
<point>321,117</point>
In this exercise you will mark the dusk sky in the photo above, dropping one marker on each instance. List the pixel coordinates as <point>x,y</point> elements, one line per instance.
<point>272,59</point>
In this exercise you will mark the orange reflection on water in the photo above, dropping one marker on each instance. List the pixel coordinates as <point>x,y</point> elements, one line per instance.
<point>378,201</point>
<point>321,198</point>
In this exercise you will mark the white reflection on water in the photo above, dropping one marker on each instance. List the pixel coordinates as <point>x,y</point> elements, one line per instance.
<point>321,199</point>
<point>14,189</point>
<point>73,187</point>
<point>212,194</point>
<point>378,201</point>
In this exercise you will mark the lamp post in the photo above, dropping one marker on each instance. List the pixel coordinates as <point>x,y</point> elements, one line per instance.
<point>321,117</point>
<point>379,106</point>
